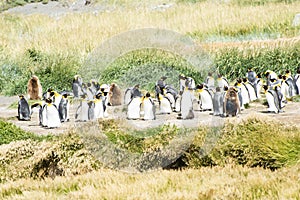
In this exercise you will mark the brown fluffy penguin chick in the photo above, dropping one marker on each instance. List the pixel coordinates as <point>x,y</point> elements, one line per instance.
<point>115,95</point>
<point>34,88</point>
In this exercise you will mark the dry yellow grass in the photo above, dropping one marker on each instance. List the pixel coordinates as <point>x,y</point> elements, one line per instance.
<point>229,182</point>
<point>81,33</point>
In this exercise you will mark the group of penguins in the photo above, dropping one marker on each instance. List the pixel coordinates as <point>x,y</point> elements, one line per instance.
<point>215,95</point>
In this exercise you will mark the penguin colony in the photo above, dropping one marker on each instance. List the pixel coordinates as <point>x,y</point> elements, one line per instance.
<point>215,95</point>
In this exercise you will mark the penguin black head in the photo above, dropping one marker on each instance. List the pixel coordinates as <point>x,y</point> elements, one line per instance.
<point>50,90</point>
<point>218,89</point>
<point>21,96</point>
<point>236,83</point>
<point>137,86</point>
<point>200,86</point>
<point>259,75</point>
<point>249,69</point>
<point>219,75</point>
<point>287,71</point>
<point>280,76</point>
<point>225,88</point>
<point>48,100</point>
<point>267,74</point>
<point>105,93</point>
<point>65,95</point>
<point>284,77</point>
<point>298,70</point>
<point>182,77</point>
<point>163,78</point>
<point>273,80</point>
<point>148,94</point>
<point>89,84</point>
<point>209,74</point>
<point>245,80</point>
<point>265,87</point>
<point>51,94</point>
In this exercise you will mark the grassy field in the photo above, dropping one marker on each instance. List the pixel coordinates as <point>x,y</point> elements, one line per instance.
<point>55,48</point>
<point>254,158</point>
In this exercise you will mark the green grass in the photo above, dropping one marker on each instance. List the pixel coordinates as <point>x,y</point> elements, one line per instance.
<point>10,132</point>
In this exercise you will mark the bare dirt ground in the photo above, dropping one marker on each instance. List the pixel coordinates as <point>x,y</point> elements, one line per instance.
<point>291,115</point>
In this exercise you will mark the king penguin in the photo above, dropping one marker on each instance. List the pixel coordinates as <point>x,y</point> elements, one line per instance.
<point>222,82</point>
<point>218,102</point>
<point>23,109</point>
<point>98,110</point>
<point>231,102</point>
<point>42,114</point>
<point>82,110</point>
<point>164,104</point>
<point>205,98</point>
<point>250,88</point>
<point>297,81</point>
<point>149,107</point>
<point>63,108</point>
<point>272,99</point>
<point>52,115</point>
<point>134,108</point>
<point>186,103</point>
<point>77,86</point>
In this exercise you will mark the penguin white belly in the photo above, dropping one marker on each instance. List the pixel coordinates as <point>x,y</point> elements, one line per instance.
<point>57,100</point>
<point>165,106</point>
<point>271,103</point>
<point>149,110</point>
<point>171,99</point>
<point>187,105</point>
<point>44,116</point>
<point>258,90</point>
<point>206,100</point>
<point>245,95</point>
<point>285,90</point>
<point>251,92</point>
<point>134,109</point>
<point>298,85</point>
<point>127,97</point>
<point>99,109</point>
<point>53,120</point>
<point>177,104</point>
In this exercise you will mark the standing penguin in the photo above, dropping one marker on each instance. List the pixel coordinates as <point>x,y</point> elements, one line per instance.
<point>251,76</point>
<point>291,84</point>
<point>98,110</point>
<point>297,81</point>
<point>210,81</point>
<point>149,107</point>
<point>23,109</point>
<point>218,102</point>
<point>77,86</point>
<point>134,108</point>
<point>258,85</point>
<point>222,82</point>
<point>52,115</point>
<point>205,97</point>
<point>186,103</point>
<point>82,110</point>
<point>272,99</point>
<point>231,103</point>
<point>34,88</point>
<point>42,116</point>
<point>250,88</point>
<point>164,104</point>
<point>270,75</point>
<point>56,98</point>
<point>244,92</point>
<point>63,108</point>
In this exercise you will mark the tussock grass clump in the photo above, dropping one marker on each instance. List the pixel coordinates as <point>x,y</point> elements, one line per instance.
<point>61,156</point>
<point>255,142</point>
